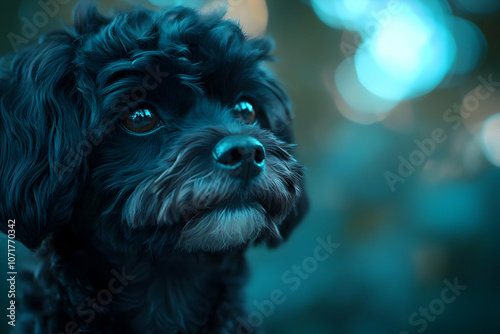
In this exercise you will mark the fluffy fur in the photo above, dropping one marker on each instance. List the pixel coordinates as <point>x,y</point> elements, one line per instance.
<point>155,208</point>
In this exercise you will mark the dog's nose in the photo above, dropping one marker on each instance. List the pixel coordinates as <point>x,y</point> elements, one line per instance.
<point>243,155</point>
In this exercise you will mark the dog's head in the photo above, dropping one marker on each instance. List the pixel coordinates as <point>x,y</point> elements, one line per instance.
<point>159,128</point>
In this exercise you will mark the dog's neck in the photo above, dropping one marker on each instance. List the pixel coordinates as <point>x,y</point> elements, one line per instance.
<point>141,291</point>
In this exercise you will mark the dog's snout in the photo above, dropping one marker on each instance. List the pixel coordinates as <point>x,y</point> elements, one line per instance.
<point>244,155</point>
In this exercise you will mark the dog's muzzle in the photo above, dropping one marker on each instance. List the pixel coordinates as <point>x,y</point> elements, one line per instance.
<point>242,156</point>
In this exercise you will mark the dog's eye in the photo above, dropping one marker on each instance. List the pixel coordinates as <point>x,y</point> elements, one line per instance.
<point>245,111</point>
<point>142,121</point>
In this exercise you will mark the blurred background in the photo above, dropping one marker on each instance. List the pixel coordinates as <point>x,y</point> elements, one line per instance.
<point>398,120</point>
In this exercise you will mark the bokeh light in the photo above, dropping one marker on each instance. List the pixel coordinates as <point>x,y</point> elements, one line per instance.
<point>471,46</point>
<point>409,57</point>
<point>343,13</point>
<point>408,49</point>
<point>362,106</point>
<point>490,139</point>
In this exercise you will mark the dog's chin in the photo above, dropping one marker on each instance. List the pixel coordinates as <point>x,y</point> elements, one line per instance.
<point>223,228</point>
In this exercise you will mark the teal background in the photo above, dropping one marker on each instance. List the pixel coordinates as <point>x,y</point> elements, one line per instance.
<point>396,249</point>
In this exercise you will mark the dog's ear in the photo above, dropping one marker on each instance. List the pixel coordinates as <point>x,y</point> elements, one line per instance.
<point>41,135</point>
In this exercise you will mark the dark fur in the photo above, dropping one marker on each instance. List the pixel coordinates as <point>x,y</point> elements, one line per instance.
<point>154,206</point>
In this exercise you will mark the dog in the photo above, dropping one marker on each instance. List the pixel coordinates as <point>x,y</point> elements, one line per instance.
<point>141,155</point>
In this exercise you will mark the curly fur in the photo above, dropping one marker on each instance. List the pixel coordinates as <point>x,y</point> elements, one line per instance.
<point>155,207</point>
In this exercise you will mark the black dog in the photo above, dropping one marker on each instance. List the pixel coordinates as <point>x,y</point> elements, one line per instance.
<point>147,151</point>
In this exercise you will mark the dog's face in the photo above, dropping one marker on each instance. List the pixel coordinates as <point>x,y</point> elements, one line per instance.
<point>158,128</point>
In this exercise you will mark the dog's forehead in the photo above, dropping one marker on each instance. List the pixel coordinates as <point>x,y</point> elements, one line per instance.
<point>202,54</point>
<point>189,42</point>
